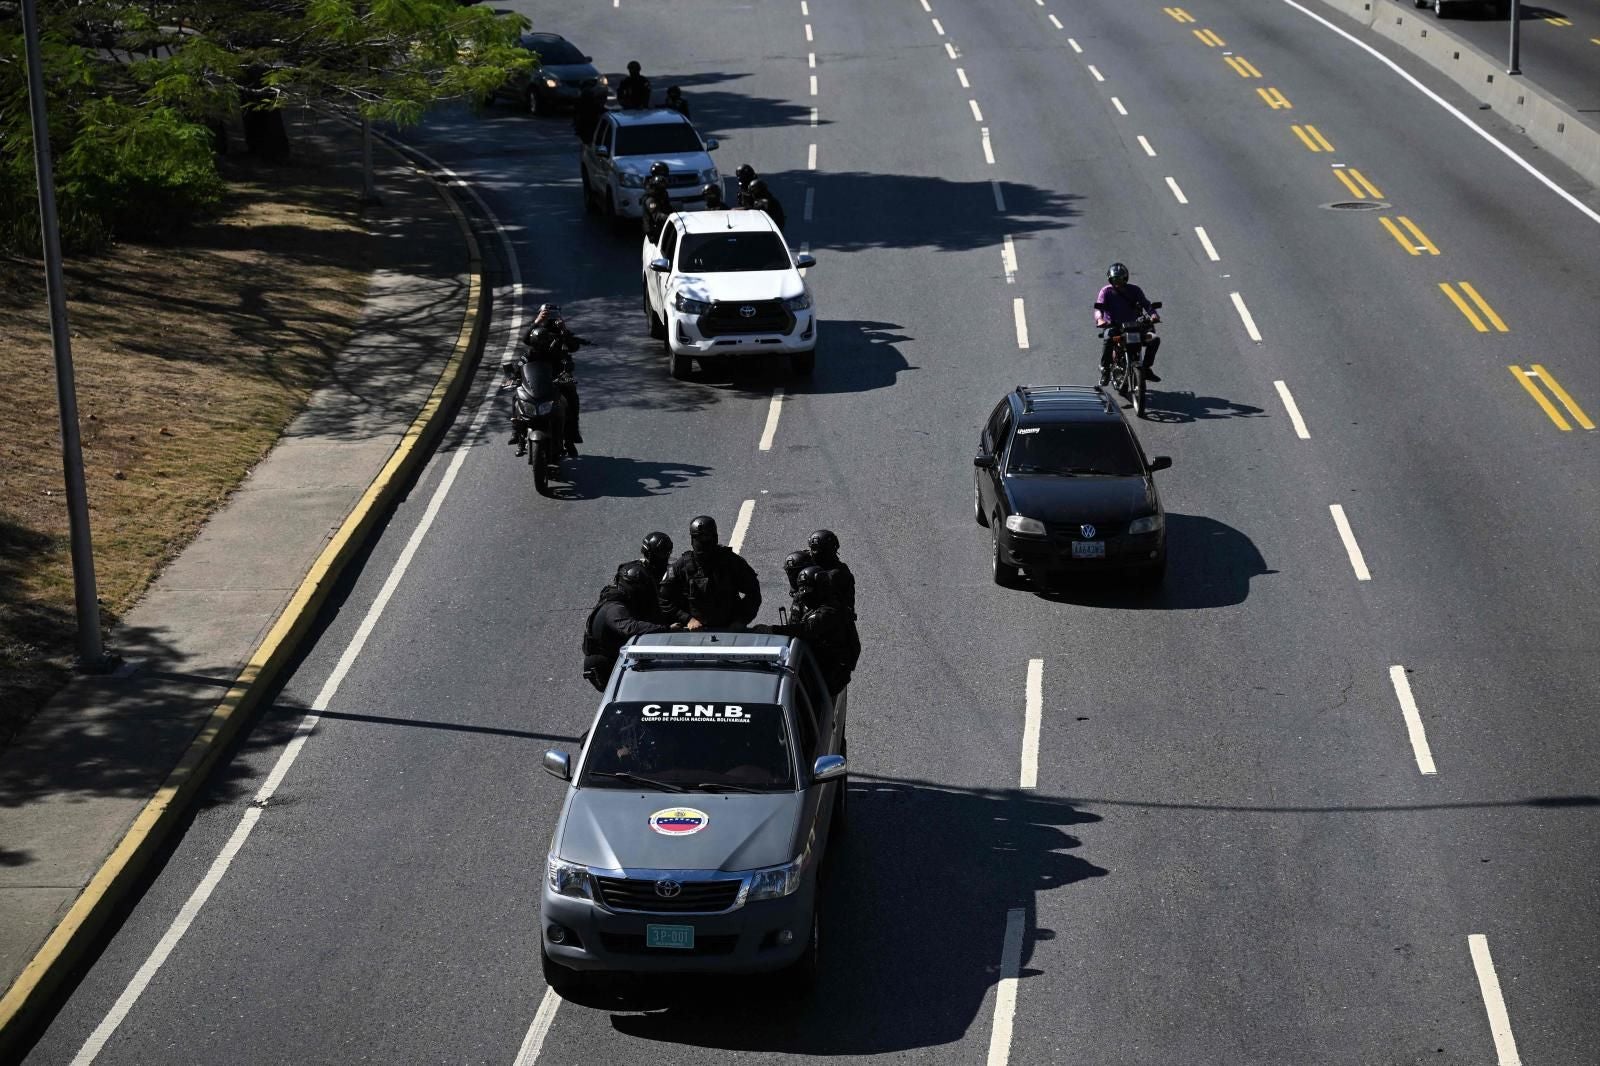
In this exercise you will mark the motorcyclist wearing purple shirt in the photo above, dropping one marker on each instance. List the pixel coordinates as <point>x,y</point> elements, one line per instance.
<point>1122,301</point>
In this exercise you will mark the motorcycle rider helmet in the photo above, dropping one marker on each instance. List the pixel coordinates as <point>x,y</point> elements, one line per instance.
<point>657,547</point>
<point>713,195</point>
<point>746,173</point>
<point>824,545</point>
<point>793,563</point>
<point>633,579</point>
<point>703,532</point>
<point>658,169</point>
<point>811,587</point>
<point>1117,274</point>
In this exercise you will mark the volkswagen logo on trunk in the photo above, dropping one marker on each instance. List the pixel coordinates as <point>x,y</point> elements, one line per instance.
<point>668,889</point>
<point>747,311</point>
<point>1088,531</point>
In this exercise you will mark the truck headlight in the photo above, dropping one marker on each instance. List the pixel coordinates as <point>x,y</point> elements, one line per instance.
<point>710,177</point>
<point>629,180</point>
<point>689,306</point>
<point>775,882</point>
<point>1148,524</point>
<point>797,303</point>
<point>567,878</point>
<point>1021,524</point>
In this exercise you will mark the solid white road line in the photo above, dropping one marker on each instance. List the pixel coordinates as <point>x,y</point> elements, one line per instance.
<point>741,525</point>
<point>811,196</point>
<point>1173,185</point>
<point>938,27</point>
<point>988,149</point>
<point>811,157</point>
<point>533,1043</point>
<point>770,430</point>
<point>1116,103</point>
<point>1593,215</point>
<point>1033,709</point>
<point>1008,259</point>
<point>1244,315</point>
<point>976,114</point>
<point>1146,146</point>
<point>1352,549</point>
<point>1021,316</point>
<point>247,822</point>
<point>1408,708</point>
<point>1505,1045</point>
<point>1005,993</point>
<point>1056,23</point>
<point>961,75</point>
<point>950,50</point>
<point>1096,72</point>
<point>813,85</point>
<point>1205,242</point>
<point>999,197</point>
<point>1075,46</point>
<point>1294,411</point>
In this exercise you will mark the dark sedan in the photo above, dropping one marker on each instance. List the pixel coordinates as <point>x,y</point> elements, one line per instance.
<point>1065,488</point>
<point>563,75</point>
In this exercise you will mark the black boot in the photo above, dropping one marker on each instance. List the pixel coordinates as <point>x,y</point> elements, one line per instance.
<point>1151,375</point>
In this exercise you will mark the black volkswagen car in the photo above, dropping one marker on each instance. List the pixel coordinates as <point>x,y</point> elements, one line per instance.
<point>1065,488</point>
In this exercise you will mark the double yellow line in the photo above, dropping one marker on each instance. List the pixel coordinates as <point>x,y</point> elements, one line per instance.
<point>1242,66</point>
<point>1525,378</point>
<point>1209,38</point>
<point>1312,138</point>
<point>1418,241</point>
<point>1274,99</point>
<point>1472,316</point>
<point>1357,183</point>
<point>1179,14</point>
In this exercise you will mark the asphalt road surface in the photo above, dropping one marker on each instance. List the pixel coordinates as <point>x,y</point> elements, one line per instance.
<point>1330,796</point>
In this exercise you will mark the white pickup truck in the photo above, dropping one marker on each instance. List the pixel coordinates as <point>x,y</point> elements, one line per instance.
<point>724,284</point>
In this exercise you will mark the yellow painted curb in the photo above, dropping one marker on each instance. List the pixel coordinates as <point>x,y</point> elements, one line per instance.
<point>75,933</point>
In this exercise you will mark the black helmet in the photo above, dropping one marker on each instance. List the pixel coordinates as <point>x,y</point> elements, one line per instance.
<point>712,193</point>
<point>1116,272</point>
<point>673,90</point>
<point>658,169</point>
<point>811,587</point>
<point>793,563</point>
<point>656,546</point>
<point>823,544</point>
<point>633,66</point>
<point>703,531</point>
<point>758,188</point>
<point>633,579</point>
<point>746,173</point>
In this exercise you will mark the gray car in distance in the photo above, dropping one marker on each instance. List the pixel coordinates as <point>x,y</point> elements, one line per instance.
<point>698,814</point>
<point>562,76</point>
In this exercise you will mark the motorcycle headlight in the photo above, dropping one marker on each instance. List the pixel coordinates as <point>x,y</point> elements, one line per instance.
<point>567,878</point>
<point>1148,524</point>
<point>689,306</point>
<point>629,180</point>
<point>1022,524</point>
<point>797,303</point>
<point>775,882</point>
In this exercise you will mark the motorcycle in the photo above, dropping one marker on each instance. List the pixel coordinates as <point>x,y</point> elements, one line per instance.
<point>539,412</point>
<point>1127,347</point>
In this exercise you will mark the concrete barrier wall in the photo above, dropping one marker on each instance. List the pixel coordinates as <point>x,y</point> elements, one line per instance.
<point>1548,121</point>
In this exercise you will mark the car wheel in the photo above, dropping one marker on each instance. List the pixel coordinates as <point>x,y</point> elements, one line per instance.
<point>678,365</point>
<point>977,504</point>
<point>1005,575</point>
<point>658,328</point>
<point>800,976</point>
<point>563,980</point>
<point>803,363</point>
<point>590,204</point>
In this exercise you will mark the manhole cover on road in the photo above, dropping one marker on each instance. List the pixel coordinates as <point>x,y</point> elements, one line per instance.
<point>1358,205</point>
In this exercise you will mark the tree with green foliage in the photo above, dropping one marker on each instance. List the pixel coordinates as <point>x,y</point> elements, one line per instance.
<point>140,89</point>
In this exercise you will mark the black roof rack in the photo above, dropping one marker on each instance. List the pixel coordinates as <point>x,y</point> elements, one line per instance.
<point>1062,396</point>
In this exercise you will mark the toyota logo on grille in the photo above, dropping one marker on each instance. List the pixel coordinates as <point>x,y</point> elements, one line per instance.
<point>668,889</point>
<point>1087,531</point>
<point>747,311</point>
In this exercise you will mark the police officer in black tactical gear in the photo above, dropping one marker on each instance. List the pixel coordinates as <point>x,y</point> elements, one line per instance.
<point>761,199</point>
<point>657,202</point>
<point>828,627</point>
<point>655,552</point>
<point>823,547</point>
<point>745,176</point>
<point>709,586</point>
<point>676,101</point>
<point>549,340</point>
<point>626,609</point>
<point>714,200</point>
<point>633,92</point>
<point>793,563</point>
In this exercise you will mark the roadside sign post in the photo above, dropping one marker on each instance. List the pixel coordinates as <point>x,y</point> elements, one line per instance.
<point>1516,38</point>
<point>90,652</point>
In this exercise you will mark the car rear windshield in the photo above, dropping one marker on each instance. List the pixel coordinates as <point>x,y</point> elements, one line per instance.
<point>658,138</point>
<point>1095,449</point>
<point>554,52</point>
<point>710,253</point>
<point>690,746</point>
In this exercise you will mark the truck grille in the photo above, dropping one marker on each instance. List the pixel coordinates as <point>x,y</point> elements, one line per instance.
<point>766,316</point>
<point>631,894</point>
<point>683,180</point>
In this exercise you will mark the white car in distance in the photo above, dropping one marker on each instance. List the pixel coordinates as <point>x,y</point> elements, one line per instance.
<point>724,284</point>
<point>613,167</point>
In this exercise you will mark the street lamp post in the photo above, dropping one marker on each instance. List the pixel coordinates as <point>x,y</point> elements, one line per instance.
<point>90,652</point>
<point>1516,38</point>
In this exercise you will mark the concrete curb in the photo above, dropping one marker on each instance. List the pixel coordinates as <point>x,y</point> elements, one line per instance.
<point>1548,121</point>
<point>73,936</point>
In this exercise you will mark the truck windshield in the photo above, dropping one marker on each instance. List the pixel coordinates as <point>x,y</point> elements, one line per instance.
<point>711,253</point>
<point>657,139</point>
<point>691,746</point>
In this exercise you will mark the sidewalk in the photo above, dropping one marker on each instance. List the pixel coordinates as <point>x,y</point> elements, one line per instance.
<point>90,788</point>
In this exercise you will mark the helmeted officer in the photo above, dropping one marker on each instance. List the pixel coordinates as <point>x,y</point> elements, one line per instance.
<point>633,92</point>
<point>656,205</point>
<point>713,195</point>
<point>793,563</point>
<point>823,546</point>
<point>827,626</point>
<point>626,609</point>
<point>677,102</point>
<point>655,552</point>
<point>744,176</point>
<point>761,199</point>
<point>709,586</point>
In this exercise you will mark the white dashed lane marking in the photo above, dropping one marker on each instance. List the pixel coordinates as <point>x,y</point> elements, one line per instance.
<point>1413,717</point>
<point>988,149</point>
<point>1005,993</point>
<point>1021,315</point>
<point>1146,146</point>
<point>741,525</point>
<point>1244,313</point>
<point>976,114</point>
<point>1494,1004</point>
<point>1358,563</point>
<point>1205,242</point>
<point>1118,105</point>
<point>1293,409</point>
<point>1172,183</point>
<point>1008,259</point>
<point>770,430</point>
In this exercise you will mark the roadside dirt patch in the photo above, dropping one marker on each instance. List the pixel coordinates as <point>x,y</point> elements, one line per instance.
<point>191,357</point>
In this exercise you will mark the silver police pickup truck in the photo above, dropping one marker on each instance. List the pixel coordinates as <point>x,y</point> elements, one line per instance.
<point>698,814</point>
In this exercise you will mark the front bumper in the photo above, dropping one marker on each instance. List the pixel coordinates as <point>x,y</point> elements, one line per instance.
<point>686,339</point>
<point>1051,554</point>
<point>743,940</point>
